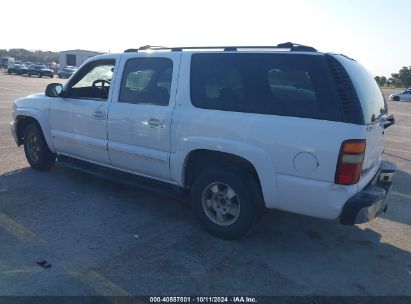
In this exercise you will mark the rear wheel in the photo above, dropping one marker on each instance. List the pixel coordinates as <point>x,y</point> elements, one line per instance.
<point>226,201</point>
<point>36,149</point>
<point>29,74</point>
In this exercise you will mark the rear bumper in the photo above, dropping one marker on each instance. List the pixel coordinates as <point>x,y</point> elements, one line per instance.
<point>372,200</point>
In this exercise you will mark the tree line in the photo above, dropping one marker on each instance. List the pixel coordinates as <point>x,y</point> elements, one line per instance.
<point>32,56</point>
<point>402,79</point>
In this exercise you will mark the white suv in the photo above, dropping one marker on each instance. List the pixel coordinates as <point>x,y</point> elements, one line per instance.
<point>241,128</point>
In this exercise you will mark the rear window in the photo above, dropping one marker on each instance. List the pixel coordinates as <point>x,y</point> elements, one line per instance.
<point>274,84</point>
<point>369,94</point>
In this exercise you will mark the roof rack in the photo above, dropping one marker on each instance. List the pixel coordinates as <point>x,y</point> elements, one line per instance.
<point>294,47</point>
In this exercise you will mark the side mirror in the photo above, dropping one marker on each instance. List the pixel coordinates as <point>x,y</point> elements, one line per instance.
<point>54,89</point>
<point>389,122</point>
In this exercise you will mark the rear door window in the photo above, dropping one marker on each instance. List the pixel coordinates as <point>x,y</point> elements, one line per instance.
<point>274,84</point>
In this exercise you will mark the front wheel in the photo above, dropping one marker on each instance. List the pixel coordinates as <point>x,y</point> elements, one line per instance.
<point>226,201</point>
<point>396,98</point>
<point>36,149</point>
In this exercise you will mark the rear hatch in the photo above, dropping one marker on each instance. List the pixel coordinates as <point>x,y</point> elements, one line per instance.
<point>374,110</point>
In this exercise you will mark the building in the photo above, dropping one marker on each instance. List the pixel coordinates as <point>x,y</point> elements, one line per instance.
<point>6,61</point>
<point>76,57</point>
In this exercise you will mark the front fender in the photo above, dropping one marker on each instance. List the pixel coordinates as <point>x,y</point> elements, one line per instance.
<point>256,156</point>
<point>42,117</point>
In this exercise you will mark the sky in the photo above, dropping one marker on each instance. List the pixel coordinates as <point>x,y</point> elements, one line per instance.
<point>374,32</point>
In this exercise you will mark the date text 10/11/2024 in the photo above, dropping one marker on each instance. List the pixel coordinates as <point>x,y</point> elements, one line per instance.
<point>208,299</point>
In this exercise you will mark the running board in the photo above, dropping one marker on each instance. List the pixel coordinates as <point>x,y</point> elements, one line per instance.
<point>121,177</point>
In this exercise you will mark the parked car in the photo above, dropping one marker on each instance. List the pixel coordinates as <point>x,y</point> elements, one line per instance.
<point>403,96</point>
<point>248,128</point>
<point>66,72</point>
<point>39,70</point>
<point>18,69</point>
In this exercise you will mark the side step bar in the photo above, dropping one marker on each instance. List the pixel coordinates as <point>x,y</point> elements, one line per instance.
<point>121,177</point>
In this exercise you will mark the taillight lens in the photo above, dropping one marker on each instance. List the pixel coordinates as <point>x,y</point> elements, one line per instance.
<point>350,161</point>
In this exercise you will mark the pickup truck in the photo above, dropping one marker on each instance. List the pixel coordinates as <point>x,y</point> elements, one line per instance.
<point>239,128</point>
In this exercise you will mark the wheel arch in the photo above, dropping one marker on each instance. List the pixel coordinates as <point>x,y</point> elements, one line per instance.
<point>197,159</point>
<point>24,119</point>
<point>194,154</point>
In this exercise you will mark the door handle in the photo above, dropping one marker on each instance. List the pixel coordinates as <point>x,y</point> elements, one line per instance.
<point>155,123</point>
<point>99,114</point>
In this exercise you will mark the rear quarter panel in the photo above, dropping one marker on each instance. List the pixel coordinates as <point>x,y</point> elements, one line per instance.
<point>295,158</point>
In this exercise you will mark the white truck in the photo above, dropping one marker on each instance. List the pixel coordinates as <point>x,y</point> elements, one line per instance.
<point>239,128</point>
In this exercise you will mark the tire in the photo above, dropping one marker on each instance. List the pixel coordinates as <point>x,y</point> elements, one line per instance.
<point>51,76</point>
<point>36,149</point>
<point>9,72</point>
<point>396,98</point>
<point>40,75</point>
<point>29,74</point>
<point>238,214</point>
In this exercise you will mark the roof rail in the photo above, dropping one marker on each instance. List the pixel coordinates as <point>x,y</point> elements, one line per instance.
<point>294,47</point>
<point>152,47</point>
<point>146,48</point>
<point>131,51</point>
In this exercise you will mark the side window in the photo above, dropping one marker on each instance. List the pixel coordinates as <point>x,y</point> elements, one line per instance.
<point>146,81</point>
<point>274,84</point>
<point>294,90</point>
<point>93,80</point>
<point>224,87</point>
<point>100,72</point>
<point>217,85</point>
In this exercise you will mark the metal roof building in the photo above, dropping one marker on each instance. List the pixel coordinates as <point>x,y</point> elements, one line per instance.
<point>76,57</point>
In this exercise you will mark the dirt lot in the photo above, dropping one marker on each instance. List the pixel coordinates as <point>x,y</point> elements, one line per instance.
<point>106,239</point>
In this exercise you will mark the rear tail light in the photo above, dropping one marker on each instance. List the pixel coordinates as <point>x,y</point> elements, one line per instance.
<point>350,161</point>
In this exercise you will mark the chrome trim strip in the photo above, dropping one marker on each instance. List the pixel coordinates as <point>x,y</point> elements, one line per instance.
<point>95,146</point>
<point>120,169</point>
<point>139,155</point>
